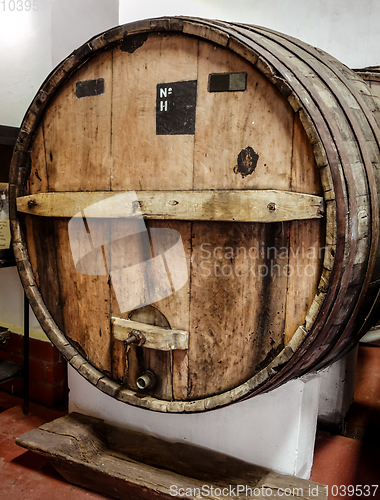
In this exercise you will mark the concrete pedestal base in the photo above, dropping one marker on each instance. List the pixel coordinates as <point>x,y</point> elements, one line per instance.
<point>275,430</point>
<point>337,390</point>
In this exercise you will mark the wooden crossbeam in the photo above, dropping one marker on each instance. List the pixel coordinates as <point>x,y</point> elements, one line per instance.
<point>224,205</point>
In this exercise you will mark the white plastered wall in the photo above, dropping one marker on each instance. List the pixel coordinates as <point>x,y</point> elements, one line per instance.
<point>347,29</point>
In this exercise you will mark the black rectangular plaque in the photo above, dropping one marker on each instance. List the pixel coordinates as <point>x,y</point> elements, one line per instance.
<point>87,88</point>
<point>175,108</point>
<point>227,82</point>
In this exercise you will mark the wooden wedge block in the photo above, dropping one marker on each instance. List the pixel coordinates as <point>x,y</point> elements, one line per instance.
<point>123,463</point>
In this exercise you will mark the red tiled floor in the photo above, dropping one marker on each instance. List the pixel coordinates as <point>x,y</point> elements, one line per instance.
<point>363,419</point>
<point>343,461</point>
<point>23,474</point>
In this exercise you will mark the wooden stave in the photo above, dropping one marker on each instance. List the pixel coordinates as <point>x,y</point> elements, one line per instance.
<point>19,170</point>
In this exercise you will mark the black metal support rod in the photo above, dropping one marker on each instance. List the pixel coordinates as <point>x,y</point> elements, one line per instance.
<point>25,408</point>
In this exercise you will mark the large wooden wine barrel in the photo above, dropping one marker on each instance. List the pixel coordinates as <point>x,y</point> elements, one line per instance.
<point>194,211</point>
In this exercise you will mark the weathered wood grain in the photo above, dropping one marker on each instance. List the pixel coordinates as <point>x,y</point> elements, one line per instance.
<point>73,163</point>
<point>176,307</point>
<point>230,122</point>
<point>85,300</point>
<point>150,162</point>
<point>41,238</point>
<point>38,181</point>
<point>306,240</point>
<point>306,254</point>
<point>242,269</point>
<point>306,177</point>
